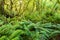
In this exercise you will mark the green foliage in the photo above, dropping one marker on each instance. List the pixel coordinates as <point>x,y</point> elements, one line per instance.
<point>26,30</point>
<point>29,19</point>
<point>35,11</point>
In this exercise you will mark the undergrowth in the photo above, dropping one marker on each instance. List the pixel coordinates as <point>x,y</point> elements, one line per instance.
<point>26,30</point>
<point>42,19</point>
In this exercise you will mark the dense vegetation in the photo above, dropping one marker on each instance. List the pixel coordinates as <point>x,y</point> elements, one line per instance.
<point>26,30</point>
<point>29,19</point>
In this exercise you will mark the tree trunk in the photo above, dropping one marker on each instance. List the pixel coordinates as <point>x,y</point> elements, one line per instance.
<point>2,6</point>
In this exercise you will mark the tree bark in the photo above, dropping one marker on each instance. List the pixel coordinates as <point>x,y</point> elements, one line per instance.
<point>2,7</point>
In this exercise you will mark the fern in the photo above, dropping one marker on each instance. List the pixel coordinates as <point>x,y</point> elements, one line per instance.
<point>26,30</point>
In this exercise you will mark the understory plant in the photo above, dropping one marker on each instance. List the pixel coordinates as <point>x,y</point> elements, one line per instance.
<point>26,30</point>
